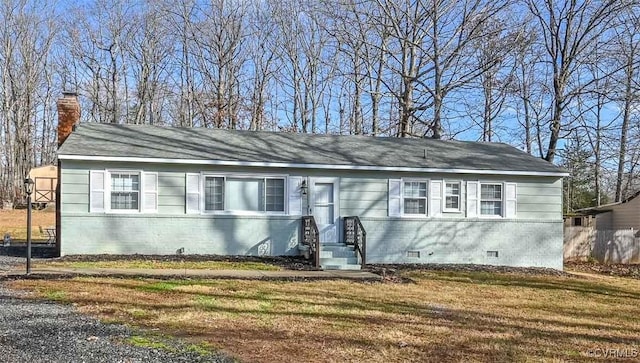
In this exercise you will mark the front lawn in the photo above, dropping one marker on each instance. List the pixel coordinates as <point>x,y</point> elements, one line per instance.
<point>441,316</point>
<point>14,222</point>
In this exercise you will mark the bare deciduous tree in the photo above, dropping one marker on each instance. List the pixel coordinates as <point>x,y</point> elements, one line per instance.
<point>494,55</point>
<point>569,29</point>
<point>627,50</point>
<point>529,90</point>
<point>26,39</point>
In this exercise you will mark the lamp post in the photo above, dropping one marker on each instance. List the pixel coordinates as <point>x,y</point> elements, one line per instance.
<point>28,188</point>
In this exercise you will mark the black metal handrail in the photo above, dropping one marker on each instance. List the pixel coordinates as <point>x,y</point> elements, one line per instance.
<point>311,238</point>
<point>356,235</point>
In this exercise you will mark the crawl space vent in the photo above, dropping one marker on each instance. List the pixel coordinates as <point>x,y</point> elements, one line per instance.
<point>413,254</point>
<point>493,254</point>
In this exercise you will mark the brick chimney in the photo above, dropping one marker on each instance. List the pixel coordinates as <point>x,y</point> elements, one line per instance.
<point>68,115</point>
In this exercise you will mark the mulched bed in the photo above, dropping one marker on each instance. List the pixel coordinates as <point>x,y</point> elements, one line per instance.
<point>467,268</point>
<point>389,272</point>
<point>392,272</point>
<point>621,270</point>
<point>296,263</point>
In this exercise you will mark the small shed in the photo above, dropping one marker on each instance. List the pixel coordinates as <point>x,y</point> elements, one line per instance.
<point>579,220</point>
<point>620,215</point>
<point>617,226</point>
<point>46,179</point>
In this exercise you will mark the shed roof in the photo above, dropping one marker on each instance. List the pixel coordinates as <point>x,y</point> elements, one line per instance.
<point>44,170</point>
<point>146,143</point>
<point>608,207</point>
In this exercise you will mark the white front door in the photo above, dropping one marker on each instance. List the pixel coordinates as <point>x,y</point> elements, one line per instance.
<point>324,208</point>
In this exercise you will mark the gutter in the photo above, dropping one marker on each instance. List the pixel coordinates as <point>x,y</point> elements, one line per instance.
<point>307,166</point>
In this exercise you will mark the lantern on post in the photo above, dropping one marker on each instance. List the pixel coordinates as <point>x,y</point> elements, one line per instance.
<point>28,188</point>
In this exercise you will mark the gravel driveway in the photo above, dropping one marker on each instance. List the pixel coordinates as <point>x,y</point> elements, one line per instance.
<point>8,262</point>
<point>38,331</point>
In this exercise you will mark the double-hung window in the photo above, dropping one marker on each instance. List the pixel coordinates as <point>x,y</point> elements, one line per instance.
<point>213,193</point>
<point>491,199</point>
<point>274,195</point>
<point>244,194</point>
<point>435,197</point>
<point>452,197</point>
<point>415,197</point>
<point>125,191</point>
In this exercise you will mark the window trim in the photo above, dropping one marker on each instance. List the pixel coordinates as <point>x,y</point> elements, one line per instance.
<point>204,175</point>
<point>445,195</point>
<point>502,199</point>
<point>108,191</point>
<point>427,198</point>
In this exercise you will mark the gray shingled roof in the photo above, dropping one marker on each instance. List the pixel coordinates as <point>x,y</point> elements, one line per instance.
<point>144,141</point>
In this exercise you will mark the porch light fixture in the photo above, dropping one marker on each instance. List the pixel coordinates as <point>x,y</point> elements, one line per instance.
<point>303,187</point>
<point>28,188</point>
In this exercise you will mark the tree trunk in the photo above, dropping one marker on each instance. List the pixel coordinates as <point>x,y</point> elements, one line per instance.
<point>622,154</point>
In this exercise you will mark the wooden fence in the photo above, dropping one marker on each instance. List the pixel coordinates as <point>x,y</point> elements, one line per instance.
<point>619,246</point>
<point>578,242</point>
<point>606,246</point>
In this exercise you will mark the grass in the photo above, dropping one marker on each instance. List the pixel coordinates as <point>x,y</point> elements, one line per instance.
<point>147,342</point>
<point>169,344</point>
<point>155,264</point>
<point>159,286</point>
<point>54,295</point>
<point>443,316</point>
<point>200,348</point>
<point>14,222</point>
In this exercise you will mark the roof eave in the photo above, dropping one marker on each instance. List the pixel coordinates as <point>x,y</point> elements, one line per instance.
<point>307,166</point>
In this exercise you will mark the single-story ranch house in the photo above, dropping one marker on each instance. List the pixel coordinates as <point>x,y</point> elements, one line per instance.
<point>145,189</point>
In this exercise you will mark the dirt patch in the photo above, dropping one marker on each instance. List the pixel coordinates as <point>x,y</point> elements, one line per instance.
<point>621,270</point>
<point>296,263</point>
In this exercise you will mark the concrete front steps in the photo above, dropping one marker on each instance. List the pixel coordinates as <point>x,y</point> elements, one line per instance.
<point>338,256</point>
